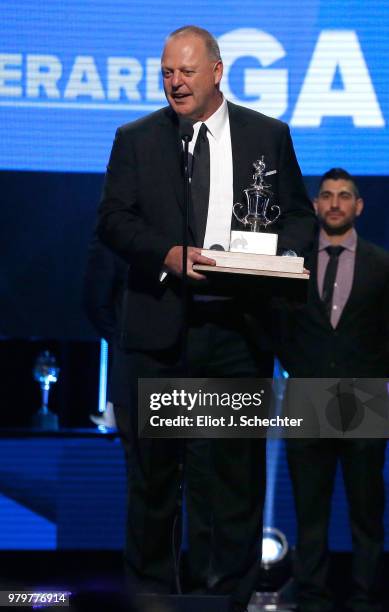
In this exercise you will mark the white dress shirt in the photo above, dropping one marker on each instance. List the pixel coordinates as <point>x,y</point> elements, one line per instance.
<point>221,192</point>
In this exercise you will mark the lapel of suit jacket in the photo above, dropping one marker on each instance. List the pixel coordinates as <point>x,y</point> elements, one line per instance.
<point>359,281</point>
<point>171,160</point>
<point>242,155</point>
<point>171,152</point>
<point>315,303</point>
<point>362,257</point>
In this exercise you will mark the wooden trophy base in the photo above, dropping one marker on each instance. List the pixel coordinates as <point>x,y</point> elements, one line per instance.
<point>254,265</point>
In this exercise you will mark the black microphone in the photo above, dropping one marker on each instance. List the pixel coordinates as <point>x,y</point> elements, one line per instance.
<point>186,129</point>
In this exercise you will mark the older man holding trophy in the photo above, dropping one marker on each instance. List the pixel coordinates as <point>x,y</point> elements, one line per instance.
<point>141,219</point>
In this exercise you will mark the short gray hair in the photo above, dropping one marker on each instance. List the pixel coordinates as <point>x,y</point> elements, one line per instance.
<point>209,40</point>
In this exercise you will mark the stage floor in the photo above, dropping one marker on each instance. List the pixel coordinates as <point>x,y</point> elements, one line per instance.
<point>96,580</point>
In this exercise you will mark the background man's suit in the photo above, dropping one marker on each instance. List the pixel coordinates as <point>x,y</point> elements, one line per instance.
<point>358,347</point>
<point>141,219</point>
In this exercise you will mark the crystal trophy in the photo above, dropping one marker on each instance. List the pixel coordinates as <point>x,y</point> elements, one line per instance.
<point>258,212</point>
<point>46,373</point>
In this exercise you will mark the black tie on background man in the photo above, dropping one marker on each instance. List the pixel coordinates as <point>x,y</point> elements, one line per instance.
<point>330,277</point>
<point>140,218</point>
<point>343,331</point>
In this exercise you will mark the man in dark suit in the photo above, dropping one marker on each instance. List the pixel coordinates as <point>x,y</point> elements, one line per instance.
<point>140,218</point>
<point>342,331</point>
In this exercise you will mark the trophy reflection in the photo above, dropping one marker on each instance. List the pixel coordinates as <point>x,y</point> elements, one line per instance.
<point>46,373</point>
<point>254,216</point>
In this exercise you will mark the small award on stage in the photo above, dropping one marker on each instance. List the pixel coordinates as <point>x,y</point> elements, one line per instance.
<point>254,216</point>
<point>46,373</point>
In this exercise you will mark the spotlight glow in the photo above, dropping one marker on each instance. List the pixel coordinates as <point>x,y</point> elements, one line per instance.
<point>274,547</point>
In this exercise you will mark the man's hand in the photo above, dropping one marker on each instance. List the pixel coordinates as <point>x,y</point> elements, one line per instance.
<point>173,262</point>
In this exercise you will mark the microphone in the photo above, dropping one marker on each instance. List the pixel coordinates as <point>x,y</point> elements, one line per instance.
<point>186,129</point>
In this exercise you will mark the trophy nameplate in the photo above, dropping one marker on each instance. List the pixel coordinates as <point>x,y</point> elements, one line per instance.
<point>253,242</point>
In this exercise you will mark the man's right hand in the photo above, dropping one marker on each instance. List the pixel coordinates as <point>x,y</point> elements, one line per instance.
<point>173,262</point>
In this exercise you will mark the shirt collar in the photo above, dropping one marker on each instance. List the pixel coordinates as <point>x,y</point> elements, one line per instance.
<point>216,122</point>
<point>350,243</point>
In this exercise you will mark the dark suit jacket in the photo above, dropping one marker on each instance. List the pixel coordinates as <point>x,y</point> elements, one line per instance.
<point>140,215</point>
<point>308,346</point>
<point>105,278</point>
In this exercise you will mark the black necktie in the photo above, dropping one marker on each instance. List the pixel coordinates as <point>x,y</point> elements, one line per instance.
<point>330,276</point>
<point>200,183</point>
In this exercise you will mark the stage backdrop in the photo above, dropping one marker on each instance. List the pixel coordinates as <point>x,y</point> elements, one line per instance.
<point>73,70</point>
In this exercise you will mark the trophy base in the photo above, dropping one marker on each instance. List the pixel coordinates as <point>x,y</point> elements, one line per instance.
<point>45,421</point>
<point>257,243</point>
<point>245,263</point>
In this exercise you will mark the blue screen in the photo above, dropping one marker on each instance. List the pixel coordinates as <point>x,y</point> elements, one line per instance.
<point>71,71</point>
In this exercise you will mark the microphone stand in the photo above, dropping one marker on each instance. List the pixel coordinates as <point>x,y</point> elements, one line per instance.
<point>186,132</point>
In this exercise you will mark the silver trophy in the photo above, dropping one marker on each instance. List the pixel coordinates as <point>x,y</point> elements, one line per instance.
<point>254,215</point>
<point>45,373</point>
